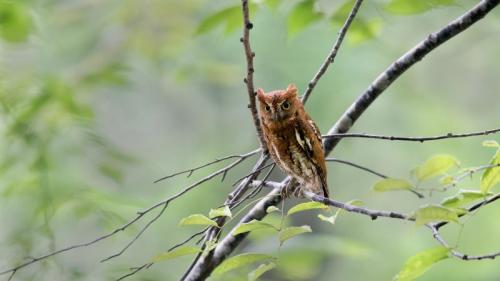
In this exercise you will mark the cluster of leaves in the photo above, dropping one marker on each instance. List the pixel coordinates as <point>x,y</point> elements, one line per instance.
<point>302,14</point>
<point>450,208</point>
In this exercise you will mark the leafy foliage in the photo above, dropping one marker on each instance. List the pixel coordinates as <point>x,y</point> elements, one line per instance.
<point>197,219</point>
<point>239,261</point>
<point>435,213</point>
<point>420,263</point>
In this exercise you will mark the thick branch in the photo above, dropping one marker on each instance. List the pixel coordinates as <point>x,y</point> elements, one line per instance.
<point>333,53</point>
<point>202,269</point>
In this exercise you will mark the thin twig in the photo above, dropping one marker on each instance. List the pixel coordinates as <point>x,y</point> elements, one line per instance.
<point>349,163</point>
<point>455,253</point>
<point>135,270</point>
<point>249,55</point>
<point>333,53</point>
<point>417,139</point>
<point>252,173</point>
<point>190,171</point>
<point>467,173</point>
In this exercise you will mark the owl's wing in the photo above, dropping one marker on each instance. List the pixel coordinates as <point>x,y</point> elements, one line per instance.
<point>315,129</point>
<point>314,155</point>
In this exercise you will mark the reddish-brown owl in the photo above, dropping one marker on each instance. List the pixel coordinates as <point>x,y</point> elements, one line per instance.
<point>292,138</point>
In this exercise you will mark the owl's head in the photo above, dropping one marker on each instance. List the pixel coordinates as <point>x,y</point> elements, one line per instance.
<point>278,105</point>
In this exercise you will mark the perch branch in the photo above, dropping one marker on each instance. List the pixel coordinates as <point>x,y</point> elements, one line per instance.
<point>418,139</point>
<point>202,268</point>
<point>333,53</point>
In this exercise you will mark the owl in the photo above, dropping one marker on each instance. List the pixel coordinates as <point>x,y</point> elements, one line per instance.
<point>293,140</point>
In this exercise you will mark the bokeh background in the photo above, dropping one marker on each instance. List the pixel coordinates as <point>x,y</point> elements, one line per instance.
<point>99,98</point>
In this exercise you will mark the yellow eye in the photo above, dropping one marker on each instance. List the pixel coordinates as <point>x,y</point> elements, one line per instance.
<point>285,105</point>
<point>268,108</point>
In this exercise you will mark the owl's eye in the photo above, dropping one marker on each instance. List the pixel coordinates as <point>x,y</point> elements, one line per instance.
<point>285,105</point>
<point>267,108</point>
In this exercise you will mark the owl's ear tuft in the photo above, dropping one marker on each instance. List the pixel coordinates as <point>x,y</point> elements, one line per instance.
<point>291,89</point>
<point>260,94</point>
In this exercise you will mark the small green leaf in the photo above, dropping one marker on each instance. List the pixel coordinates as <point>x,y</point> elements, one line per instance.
<point>446,180</point>
<point>181,251</point>
<point>197,219</point>
<point>491,143</point>
<point>405,7</point>
<point>251,226</point>
<point>271,209</point>
<point>436,165</point>
<point>220,212</point>
<point>229,17</point>
<point>491,176</point>
<point>392,184</point>
<point>420,263</point>
<point>263,268</point>
<point>434,213</point>
<point>301,16</point>
<point>330,219</point>
<point>306,206</point>
<point>239,261</point>
<point>464,197</point>
<point>333,219</point>
<point>293,231</point>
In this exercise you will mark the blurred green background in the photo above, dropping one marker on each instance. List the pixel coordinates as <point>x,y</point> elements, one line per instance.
<point>99,98</point>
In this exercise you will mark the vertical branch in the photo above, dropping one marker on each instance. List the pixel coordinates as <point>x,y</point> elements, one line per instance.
<point>333,53</point>
<point>249,55</point>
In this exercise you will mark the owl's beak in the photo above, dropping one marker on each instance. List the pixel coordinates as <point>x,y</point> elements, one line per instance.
<point>275,116</point>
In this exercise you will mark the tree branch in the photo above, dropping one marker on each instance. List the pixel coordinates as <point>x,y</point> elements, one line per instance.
<point>418,139</point>
<point>202,268</point>
<point>249,55</point>
<point>455,253</point>
<point>333,53</point>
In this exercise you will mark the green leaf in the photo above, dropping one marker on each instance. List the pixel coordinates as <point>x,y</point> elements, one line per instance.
<point>239,261</point>
<point>293,231</point>
<point>420,263</point>
<point>15,21</point>
<point>362,30</point>
<point>330,219</point>
<point>464,197</point>
<point>306,206</point>
<point>392,184</point>
<point>251,226</point>
<point>197,219</point>
<point>490,143</point>
<point>263,268</point>
<point>408,7</point>
<point>301,16</point>
<point>434,213</point>
<point>220,212</point>
<point>491,176</point>
<point>333,219</point>
<point>230,17</point>
<point>436,165</point>
<point>181,251</point>
<point>271,209</point>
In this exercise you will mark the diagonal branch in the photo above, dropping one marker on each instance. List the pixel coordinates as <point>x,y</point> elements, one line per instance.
<point>203,268</point>
<point>333,53</point>
<point>418,139</point>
